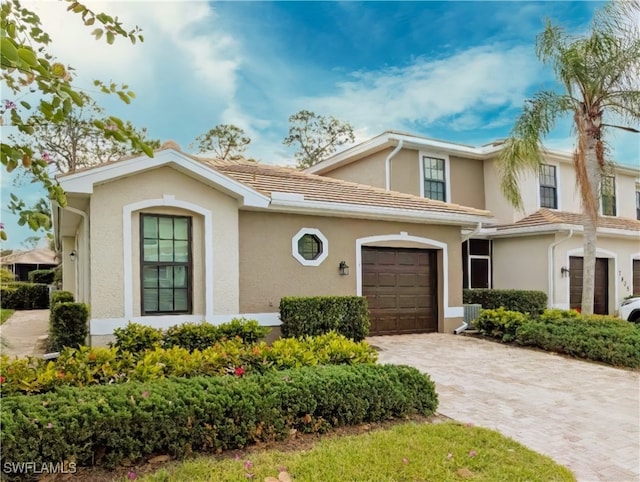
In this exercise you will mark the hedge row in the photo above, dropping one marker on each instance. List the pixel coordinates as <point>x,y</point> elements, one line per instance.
<point>90,366</point>
<point>600,338</point>
<point>106,425</point>
<point>24,296</point>
<point>137,338</point>
<point>315,315</point>
<point>524,301</point>
<point>68,325</point>
<point>45,276</point>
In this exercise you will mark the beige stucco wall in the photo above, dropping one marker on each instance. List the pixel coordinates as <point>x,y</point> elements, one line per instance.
<point>268,270</point>
<point>369,170</point>
<point>107,251</point>
<point>626,193</point>
<point>467,182</point>
<point>521,263</point>
<point>68,266</point>
<point>404,172</point>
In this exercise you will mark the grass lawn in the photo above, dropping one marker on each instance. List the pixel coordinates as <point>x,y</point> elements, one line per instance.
<point>5,314</point>
<point>406,452</point>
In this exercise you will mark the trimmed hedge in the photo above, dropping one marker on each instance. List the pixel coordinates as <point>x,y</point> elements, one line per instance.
<point>68,325</point>
<point>24,296</point>
<point>89,366</point>
<point>109,424</point>
<point>524,301</point>
<point>44,276</point>
<point>501,324</point>
<point>600,338</point>
<point>315,315</point>
<point>61,297</point>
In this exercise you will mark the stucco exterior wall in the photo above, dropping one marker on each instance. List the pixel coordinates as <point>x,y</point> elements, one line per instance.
<point>494,200</point>
<point>467,182</point>
<point>521,263</point>
<point>626,195</point>
<point>108,249</point>
<point>69,267</point>
<point>369,170</point>
<point>268,270</point>
<point>404,172</point>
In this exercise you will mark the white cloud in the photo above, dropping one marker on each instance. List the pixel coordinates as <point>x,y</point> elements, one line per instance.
<point>464,85</point>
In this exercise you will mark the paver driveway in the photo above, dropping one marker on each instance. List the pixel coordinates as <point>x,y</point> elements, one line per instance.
<point>584,415</point>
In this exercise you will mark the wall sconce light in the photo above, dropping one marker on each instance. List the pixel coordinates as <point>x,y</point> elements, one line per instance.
<point>72,255</point>
<point>564,271</point>
<point>344,268</point>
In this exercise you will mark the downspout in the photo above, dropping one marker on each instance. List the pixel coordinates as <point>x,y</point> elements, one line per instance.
<point>466,238</point>
<point>552,269</point>
<point>387,164</point>
<point>86,268</point>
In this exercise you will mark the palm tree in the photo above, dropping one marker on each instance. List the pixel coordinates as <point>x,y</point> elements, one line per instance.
<point>600,76</point>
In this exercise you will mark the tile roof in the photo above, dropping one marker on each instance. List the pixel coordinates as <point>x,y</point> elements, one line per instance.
<point>34,256</point>
<point>547,217</point>
<point>268,179</point>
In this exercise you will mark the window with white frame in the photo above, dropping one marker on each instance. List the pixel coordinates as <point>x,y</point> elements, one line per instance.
<point>638,205</point>
<point>548,187</point>
<point>310,247</point>
<point>608,195</point>
<point>435,182</point>
<point>476,263</point>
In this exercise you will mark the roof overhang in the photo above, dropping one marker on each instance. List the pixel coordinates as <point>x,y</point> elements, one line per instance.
<point>553,229</point>
<point>84,182</point>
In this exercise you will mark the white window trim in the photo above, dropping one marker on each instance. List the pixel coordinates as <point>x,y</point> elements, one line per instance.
<point>478,256</point>
<point>447,173</point>
<point>558,193</point>
<point>309,262</point>
<point>127,240</point>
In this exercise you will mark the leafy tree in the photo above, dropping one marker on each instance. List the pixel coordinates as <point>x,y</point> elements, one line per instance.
<point>227,141</point>
<point>76,142</point>
<point>28,70</point>
<point>599,73</point>
<point>316,136</point>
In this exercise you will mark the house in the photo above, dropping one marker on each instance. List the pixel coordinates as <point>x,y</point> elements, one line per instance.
<point>21,263</point>
<point>539,248</point>
<point>177,238</point>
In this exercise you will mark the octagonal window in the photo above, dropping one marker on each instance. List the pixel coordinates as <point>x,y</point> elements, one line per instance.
<point>309,247</point>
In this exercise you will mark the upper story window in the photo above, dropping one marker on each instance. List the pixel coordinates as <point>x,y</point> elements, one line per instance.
<point>608,195</point>
<point>435,185</point>
<point>638,205</point>
<point>165,264</point>
<point>548,187</point>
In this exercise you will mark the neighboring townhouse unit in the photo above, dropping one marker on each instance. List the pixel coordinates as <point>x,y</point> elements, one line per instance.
<point>538,248</point>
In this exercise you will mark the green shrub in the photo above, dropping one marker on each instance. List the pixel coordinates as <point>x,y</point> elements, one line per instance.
<point>192,336</point>
<point>500,323</point>
<point>105,425</point>
<point>315,315</point>
<point>61,297</point>
<point>88,366</point>
<point>6,275</point>
<point>248,331</point>
<point>44,276</point>
<point>24,296</point>
<point>136,338</point>
<point>600,338</point>
<point>524,301</point>
<point>69,325</point>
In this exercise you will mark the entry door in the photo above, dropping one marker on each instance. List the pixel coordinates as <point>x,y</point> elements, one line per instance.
<point>601,294</point>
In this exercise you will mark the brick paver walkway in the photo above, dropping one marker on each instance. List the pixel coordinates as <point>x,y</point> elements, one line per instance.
<point>23,332</point>
<point>584,415</point>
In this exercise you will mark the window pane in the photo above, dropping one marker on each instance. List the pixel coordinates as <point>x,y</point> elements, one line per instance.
<point>479,273</point>
<point>166,250</point>
<point>181,228</point>
<point>180,276</point>
<point>150,277</point>
<point>181,251</point>
<point>150,250</point>
<point>480,247</point>
<point>165,276</point>
<point>309,246</point>
<point>180,300</point>
<point>166,300</point>
<point>150,226</point>
<point>166,228</point>
<point>150,300</point>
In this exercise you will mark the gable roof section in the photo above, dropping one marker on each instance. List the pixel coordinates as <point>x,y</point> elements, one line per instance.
<point>33,256</point>
<point>282,189</point>
<point>293,190</point>
<point>547,220</point>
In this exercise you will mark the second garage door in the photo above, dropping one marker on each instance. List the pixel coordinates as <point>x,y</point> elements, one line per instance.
<point>401,287</point>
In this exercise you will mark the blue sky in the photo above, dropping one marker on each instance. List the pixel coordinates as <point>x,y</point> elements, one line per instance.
<point>458,71</point>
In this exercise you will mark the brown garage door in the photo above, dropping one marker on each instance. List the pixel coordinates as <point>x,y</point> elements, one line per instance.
<point>401,287</point>
<point>601,295</point>
<point>636,276</point>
